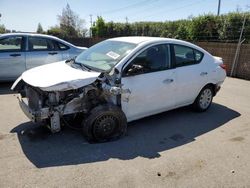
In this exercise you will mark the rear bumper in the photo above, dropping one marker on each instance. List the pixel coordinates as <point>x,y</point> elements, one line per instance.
<point>216,89</point>
<point>35,116</point>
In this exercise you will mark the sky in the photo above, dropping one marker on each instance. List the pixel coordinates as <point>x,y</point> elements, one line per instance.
<point>26,14</point>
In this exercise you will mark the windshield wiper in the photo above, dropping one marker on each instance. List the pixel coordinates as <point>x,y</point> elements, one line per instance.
<point>84,67</point>
<point>73,62</point>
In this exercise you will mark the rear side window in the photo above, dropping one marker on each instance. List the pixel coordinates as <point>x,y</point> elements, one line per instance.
<point>62,46</point>
<point>186,56</point>
<point>198,56</point>
<point>41,44</point>
<point>11,44</point>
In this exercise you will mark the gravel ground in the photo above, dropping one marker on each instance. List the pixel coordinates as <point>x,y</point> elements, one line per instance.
<point>178,148</point>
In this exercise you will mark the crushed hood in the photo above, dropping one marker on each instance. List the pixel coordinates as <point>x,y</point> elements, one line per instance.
<point>58,77</point>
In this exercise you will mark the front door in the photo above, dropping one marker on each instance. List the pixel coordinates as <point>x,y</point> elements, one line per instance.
<point>148,83</point>
<point>12,57</point>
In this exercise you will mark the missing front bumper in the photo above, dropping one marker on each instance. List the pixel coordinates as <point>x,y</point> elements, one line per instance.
<point>35,116</point>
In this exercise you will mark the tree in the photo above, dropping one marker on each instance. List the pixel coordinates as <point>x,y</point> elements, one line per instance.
<point>55,31</point>
<point>2,29</point>
<point>70,23</point>
<point>205,27</point>
<point>232,24</point>
<point>183,29</point>
<point>100,28</point>
<point>39,28</point>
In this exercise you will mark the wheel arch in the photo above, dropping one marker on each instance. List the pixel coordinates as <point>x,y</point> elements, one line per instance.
<point>97,112</point>
<point>212,85</point>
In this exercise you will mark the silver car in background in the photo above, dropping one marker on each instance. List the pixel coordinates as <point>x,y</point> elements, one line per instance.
<point>22,51</point>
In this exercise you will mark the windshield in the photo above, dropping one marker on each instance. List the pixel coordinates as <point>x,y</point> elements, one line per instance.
<point>104,55</point>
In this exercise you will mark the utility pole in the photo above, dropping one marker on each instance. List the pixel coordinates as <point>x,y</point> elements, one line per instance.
<point>91,24</point>
<point>126,20</point>
<point>218,13</point>
<point>238,47</point>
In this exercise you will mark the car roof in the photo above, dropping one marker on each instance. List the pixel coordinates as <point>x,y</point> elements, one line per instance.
<point>37,35</point>
<point>142,39</point>
<point>27,34</point>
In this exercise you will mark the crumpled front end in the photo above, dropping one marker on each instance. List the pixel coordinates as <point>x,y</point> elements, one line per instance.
<point>51,107</point>
<point>51,98</point>
<point>35,115</point>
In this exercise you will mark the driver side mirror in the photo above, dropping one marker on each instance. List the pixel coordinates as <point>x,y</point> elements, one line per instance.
<point>135,69</point>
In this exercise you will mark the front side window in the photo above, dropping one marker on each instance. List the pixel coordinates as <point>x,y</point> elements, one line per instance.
<point>186,56</point>
<point>153,59</point>
<point>40,44</point>
<point>104,55</point>
<point>13,43</point>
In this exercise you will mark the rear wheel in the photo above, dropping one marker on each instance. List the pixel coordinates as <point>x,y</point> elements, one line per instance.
<point>204,99</point>
<point>104,123</point>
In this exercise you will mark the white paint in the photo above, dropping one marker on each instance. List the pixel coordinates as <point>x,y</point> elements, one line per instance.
<point>148,93</point>
<point>189,82</point>
<point>151,93</point>
<point>218,58</point>
<point>58,77</point>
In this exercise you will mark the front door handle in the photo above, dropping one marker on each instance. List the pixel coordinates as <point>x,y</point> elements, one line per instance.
<point>52,53</point>
<point>168,81</point>
<point>203,73</point>
<point>15,55</point>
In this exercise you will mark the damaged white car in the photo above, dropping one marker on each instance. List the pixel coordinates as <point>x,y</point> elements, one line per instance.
<point>120,80</point>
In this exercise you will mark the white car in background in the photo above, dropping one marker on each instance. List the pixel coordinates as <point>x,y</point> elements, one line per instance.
<point>120,80</point>
<point>22,51</point>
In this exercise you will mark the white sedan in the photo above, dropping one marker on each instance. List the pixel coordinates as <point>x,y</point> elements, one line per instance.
<point>120,80</point>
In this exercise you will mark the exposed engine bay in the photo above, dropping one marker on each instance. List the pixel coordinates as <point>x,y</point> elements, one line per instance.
<point>50,107</point>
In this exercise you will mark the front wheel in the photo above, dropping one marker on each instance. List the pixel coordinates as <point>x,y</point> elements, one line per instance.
<point>104,123</point>
<point>204,99</point>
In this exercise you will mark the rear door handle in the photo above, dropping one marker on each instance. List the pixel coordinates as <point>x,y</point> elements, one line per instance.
<point>203,73</point>
<point>168,81</point>
<point>15,55</point>
<point>52,53</point>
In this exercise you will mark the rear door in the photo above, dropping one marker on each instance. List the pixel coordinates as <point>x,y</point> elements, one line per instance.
<point>191,73</point>
<point>12,57</point>
<point>65,50</point>
<point>41,51</point>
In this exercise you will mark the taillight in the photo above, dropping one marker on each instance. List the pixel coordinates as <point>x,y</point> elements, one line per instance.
<point>223,66</point>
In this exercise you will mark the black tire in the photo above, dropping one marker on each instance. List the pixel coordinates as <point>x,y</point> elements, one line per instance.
<point>104,123</point>
<point>204,100</point>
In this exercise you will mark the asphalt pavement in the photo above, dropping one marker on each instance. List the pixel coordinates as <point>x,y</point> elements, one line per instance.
<point>179,148</point>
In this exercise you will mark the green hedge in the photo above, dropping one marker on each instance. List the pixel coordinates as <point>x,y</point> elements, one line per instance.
<point>209,27</point>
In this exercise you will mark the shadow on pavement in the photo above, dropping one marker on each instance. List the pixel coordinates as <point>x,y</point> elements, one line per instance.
<point>146,138</point>
<point>5,88</point>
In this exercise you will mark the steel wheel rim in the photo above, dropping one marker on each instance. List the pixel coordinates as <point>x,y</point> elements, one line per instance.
<point>205,98</point>
<point>104,126</point>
